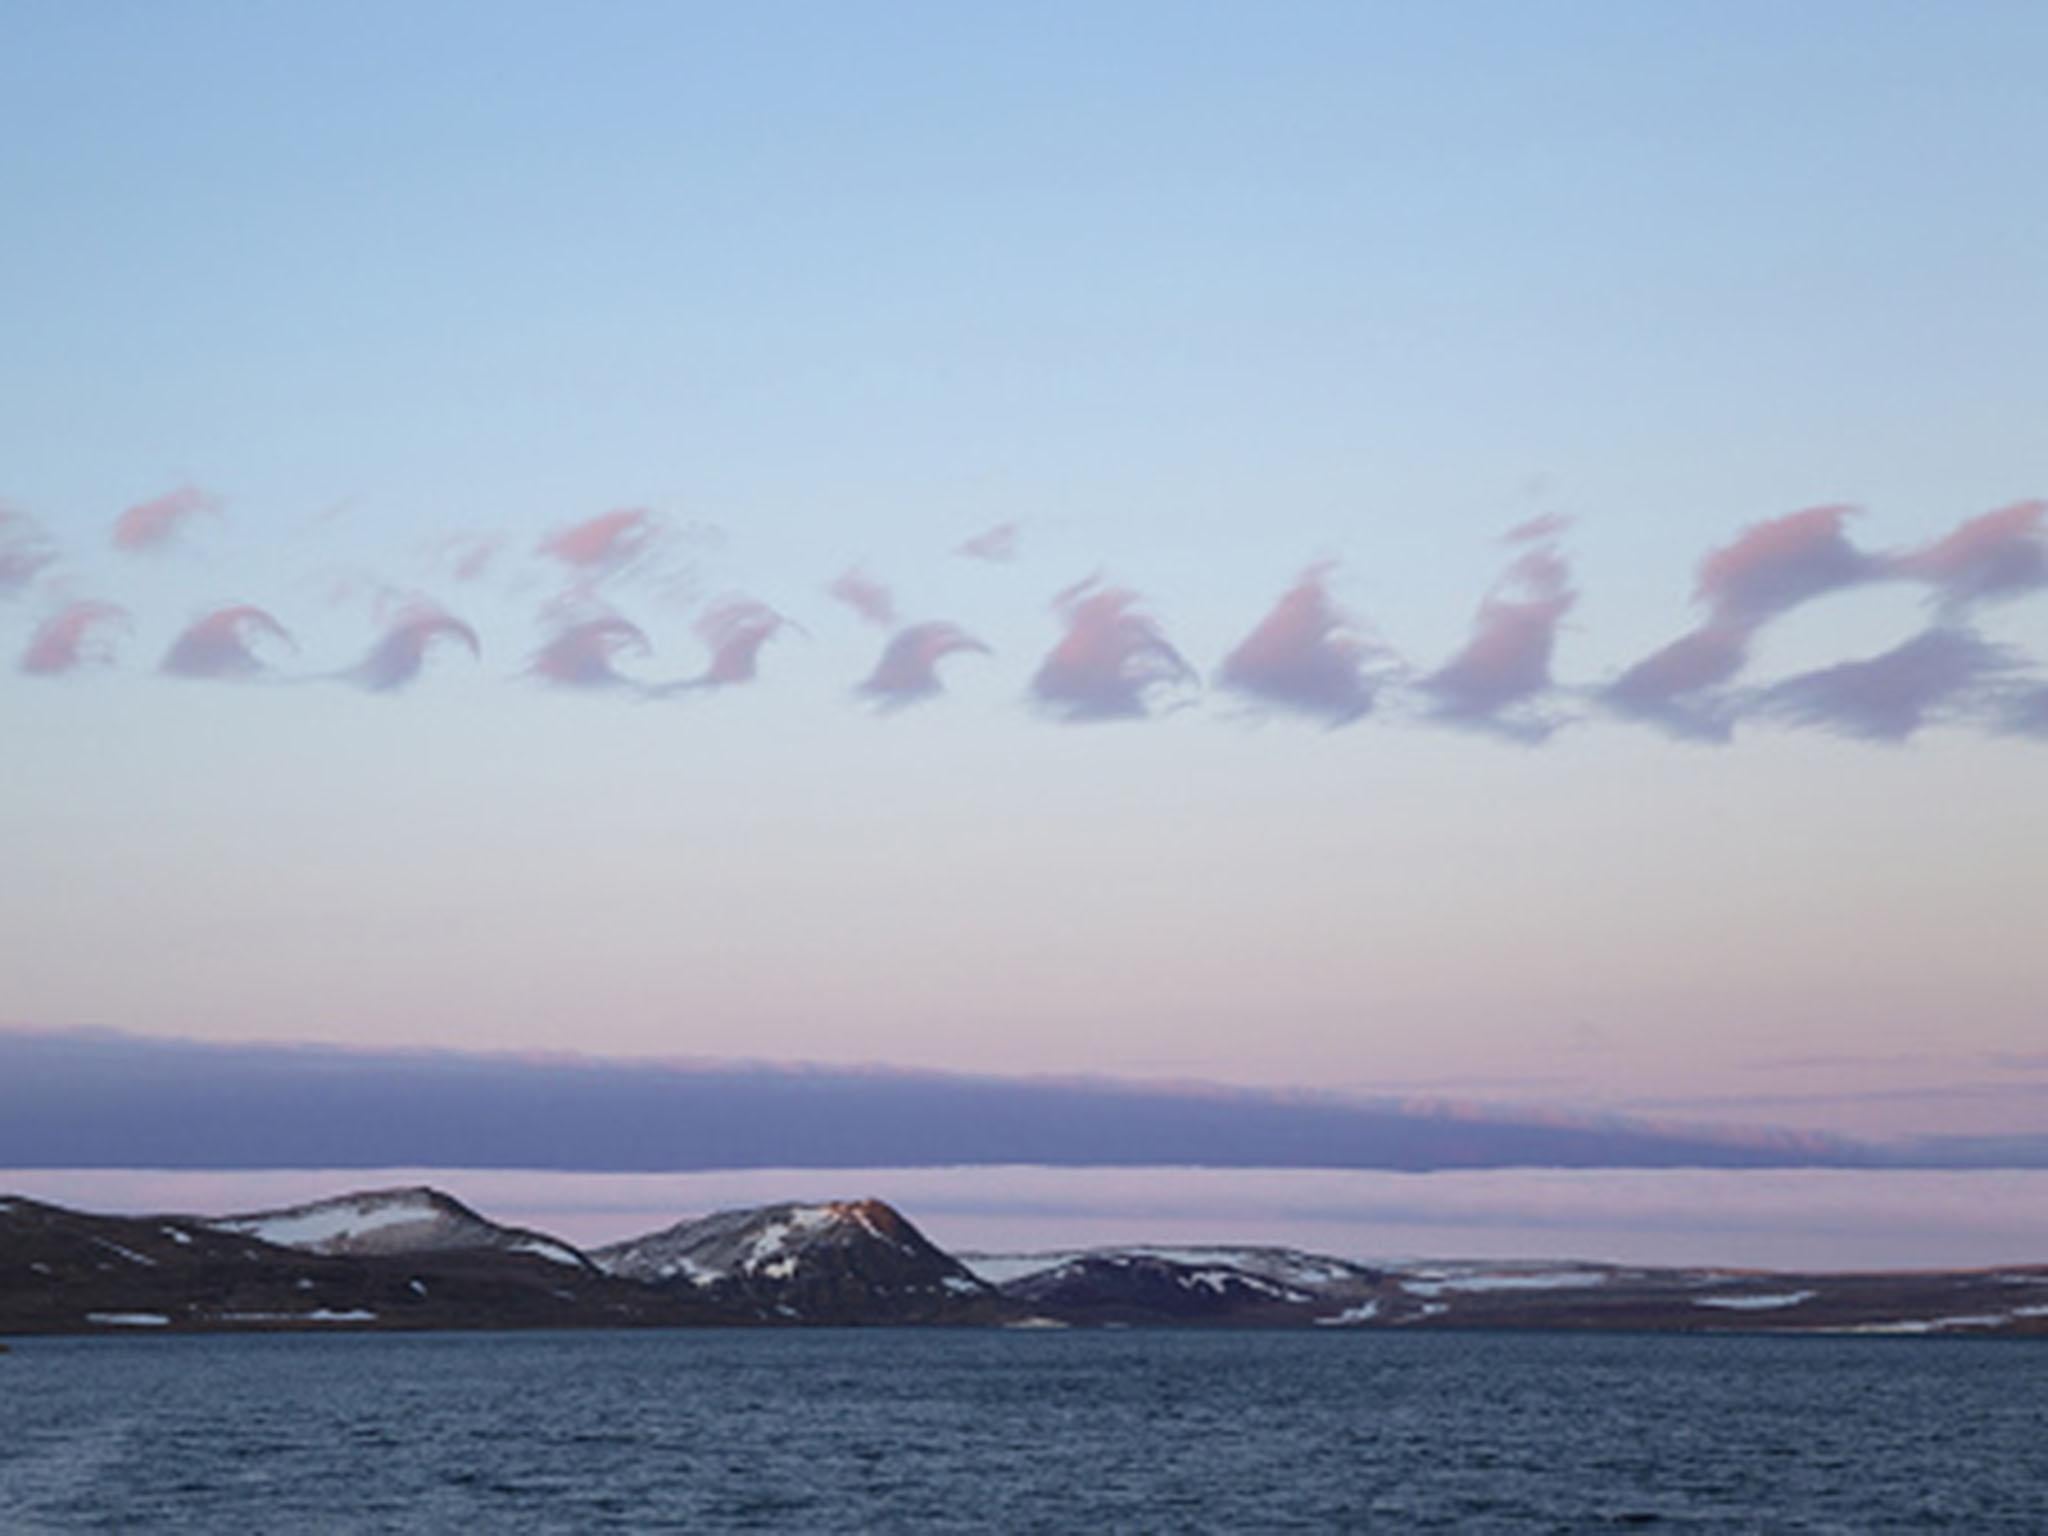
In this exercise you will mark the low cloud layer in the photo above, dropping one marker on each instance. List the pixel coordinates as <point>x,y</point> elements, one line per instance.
<point>105,1100</point>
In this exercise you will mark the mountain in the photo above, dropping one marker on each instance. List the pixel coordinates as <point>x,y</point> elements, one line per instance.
<point>65,1271</point>
<point>851,1261</point>
<point>417,1258</point>
<point>1218,1286</point>
<point>395,1221</point>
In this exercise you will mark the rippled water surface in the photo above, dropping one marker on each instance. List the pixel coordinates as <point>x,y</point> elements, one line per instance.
<point>1022,1431</point>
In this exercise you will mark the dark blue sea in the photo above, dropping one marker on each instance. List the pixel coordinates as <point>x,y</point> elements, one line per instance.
<point>1022,1431</point>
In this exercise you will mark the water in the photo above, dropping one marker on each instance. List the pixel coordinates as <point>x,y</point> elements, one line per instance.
<point>1065,1432</point>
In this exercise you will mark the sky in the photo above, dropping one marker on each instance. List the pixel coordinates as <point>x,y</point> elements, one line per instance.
<point>1489,554</point>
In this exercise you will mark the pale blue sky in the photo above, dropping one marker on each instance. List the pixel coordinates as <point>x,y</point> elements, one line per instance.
<point>1195,295</point>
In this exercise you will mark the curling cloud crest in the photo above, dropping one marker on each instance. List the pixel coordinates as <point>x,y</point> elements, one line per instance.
<point>1111,660</point>
<point>73,637</point>
<point>608,542</point>
<point>155,523</point>
<point>24,552</point>
<point>1305,656</point>
<point>399,656</point>
<point>1506,663</point>
<point>866,597</point>
<point>222,644</point>
<point>579,654</point>
<point>909,668</point>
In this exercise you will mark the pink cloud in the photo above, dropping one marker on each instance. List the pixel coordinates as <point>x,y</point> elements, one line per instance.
<point>1110,660</point>
<point>1537,529</point>
<point>221,644</point>
<point>736,628</point>
<point>997,544</point>
<point>1889,697</point>
<point>1997,554</point>
<point>469,555</point>
<point>73,637</point>
<point>1304,655</point>
<point>155,523</point>
<point>909,668</point>
<point>866,597</point>
<point>1776,565</point>
<point>581,651</point>
<point>24,552</point>
<point>605,542</point>
<point>1669,686</point>
<point>1507,661</point>
<point>399,656</point>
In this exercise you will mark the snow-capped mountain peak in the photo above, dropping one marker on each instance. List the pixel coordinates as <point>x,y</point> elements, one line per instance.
<point>389,1221</point>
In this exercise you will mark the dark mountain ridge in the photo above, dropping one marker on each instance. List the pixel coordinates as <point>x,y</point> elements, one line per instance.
<point>419,1259</point>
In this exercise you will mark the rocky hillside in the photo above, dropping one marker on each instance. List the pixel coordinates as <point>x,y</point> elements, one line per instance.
<point>395,1221</point>
<point>65,1271</point>
<point>416,1258</point>
<point>851,1261</point>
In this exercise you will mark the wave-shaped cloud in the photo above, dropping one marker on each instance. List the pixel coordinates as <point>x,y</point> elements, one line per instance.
<point>74,636</point>
<point>580,652</point>
<point>1773,566</point>
<point>604,543</point>
<point>1112,659</point>
<point>866,597</point>
<point>400,654</point>
<point>25,553</point>
<point>736,629</point>
<point>222,644</point>
<point>997,545</point>
<point>1998,554</point>
<point>909,666</point>
<point>1505,666</point>
<point>1890,696</point>
<point>1305,655</point>
<point>155,523</point>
